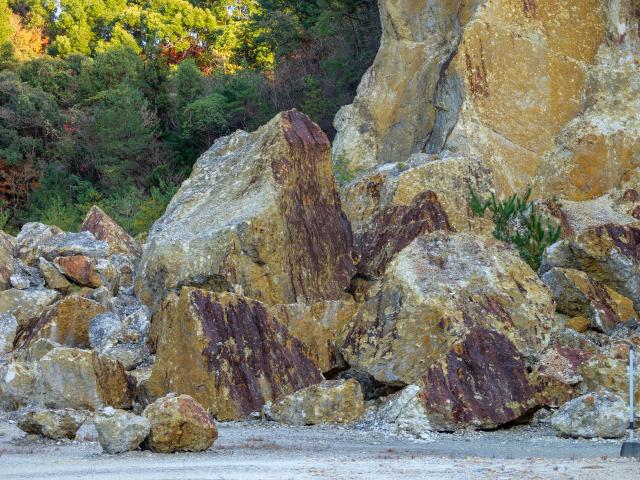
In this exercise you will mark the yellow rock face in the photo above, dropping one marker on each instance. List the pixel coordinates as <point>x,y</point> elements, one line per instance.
<point>228,352</point>
<point>66,322</point>
<point>542,92</point>
<point>80,379</point>
<point>318,327</point>
<point>104,228</point>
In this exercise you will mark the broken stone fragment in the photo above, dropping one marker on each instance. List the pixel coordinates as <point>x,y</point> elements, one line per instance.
<point>228,352</point>
<point>8,264</point>
<point>26,304</point>
<point>52,276</point>
<point>88,272</point>
<point>259,216</point>
<point>105,228</point>
<point>55,424</point>
<point>576,295</point>
<point>120,431</point>
<point>8,329</point>
<point>596,414</point>
<point>609,254</point>
<point>179,424</point>
<point>17,384</point>
<point>405,413</point>
<point>332,401</point>
<point>31,236</point>
<point>72,244</point>
<point>80,379</point>
<point>66,322</point>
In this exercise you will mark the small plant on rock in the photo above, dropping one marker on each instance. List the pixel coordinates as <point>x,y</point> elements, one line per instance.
<point>517,223</point>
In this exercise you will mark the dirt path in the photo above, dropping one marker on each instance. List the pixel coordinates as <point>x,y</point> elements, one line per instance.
<point>265,451</point>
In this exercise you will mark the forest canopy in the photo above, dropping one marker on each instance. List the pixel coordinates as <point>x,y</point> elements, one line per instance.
<point>110,102</point>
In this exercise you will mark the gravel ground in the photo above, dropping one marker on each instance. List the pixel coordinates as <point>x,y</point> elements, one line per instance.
<point>264,451</point>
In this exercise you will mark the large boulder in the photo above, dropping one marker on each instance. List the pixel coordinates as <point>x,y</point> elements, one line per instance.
<point>55,424</point>
<point>260,216</point>
<point>179,424</point>
<point>105,228</point>
<point>66,322</point>
<point>26,304</point>
<point>332,401</point>
<point>597,414</point>
<point>576,295</point>
<point>120,431</point>
<point>27,242</point>
<point>228,352</point>
<point>608,253</point>
<point>459,315</point>
<point>81,379</point>
<point>540,92</point>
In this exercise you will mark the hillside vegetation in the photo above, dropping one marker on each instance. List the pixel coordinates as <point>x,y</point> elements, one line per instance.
<point>110,102</point>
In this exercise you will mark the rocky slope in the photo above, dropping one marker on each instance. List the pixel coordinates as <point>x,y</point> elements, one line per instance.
<point>265,290</point>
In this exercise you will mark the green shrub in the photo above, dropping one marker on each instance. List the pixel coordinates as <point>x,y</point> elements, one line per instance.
<point>517,223</point>
<point>342,171</point>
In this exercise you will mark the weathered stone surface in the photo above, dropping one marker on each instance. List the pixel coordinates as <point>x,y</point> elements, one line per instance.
<point>540,92</point>
<point>74,378</point>
<point>123,340</point>
<point>66,323</point>
<point>405,413</point>
<point>318,326</point>
<point>88,272</point>
<point>26,304</point>
<point>579,324</point>
<point>576,294</point>
<point>104,228</point>
<point>228,352</point>
<point>20,281</point>
<point>8,329</point>
<point>606,371</point>
<point>30,237</point>
<point>332,401</point>
<point>17,384</point>
<point>457,314</point>
<point>394,111</point>
<point>52,276</point>
<point>120,431</point>
<point>55,424</point>
<point>179,424</point>
<point>563,364</point>
<point>607,253</point>
<point>259,215</point>
<point>72,244</point>
<point>7,262</point>
<point>399,186</point>
<point>597,414</point>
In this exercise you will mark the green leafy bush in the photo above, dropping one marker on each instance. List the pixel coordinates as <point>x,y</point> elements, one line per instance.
<point>517,223</point>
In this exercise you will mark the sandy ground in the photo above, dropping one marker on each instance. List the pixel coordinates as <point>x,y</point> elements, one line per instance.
<point>264,451</point>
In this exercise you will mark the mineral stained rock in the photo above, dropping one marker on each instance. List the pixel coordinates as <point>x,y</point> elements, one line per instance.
<point>542,93</point>
<point>26,304</point>
<point>332,401</point>
<point>228,352</point>
<point>576,294</point>
<point>179,424</point>
<point>260,215</point>
<point>104,228</point>
<point>458,315</point>
<point>66,322</point>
